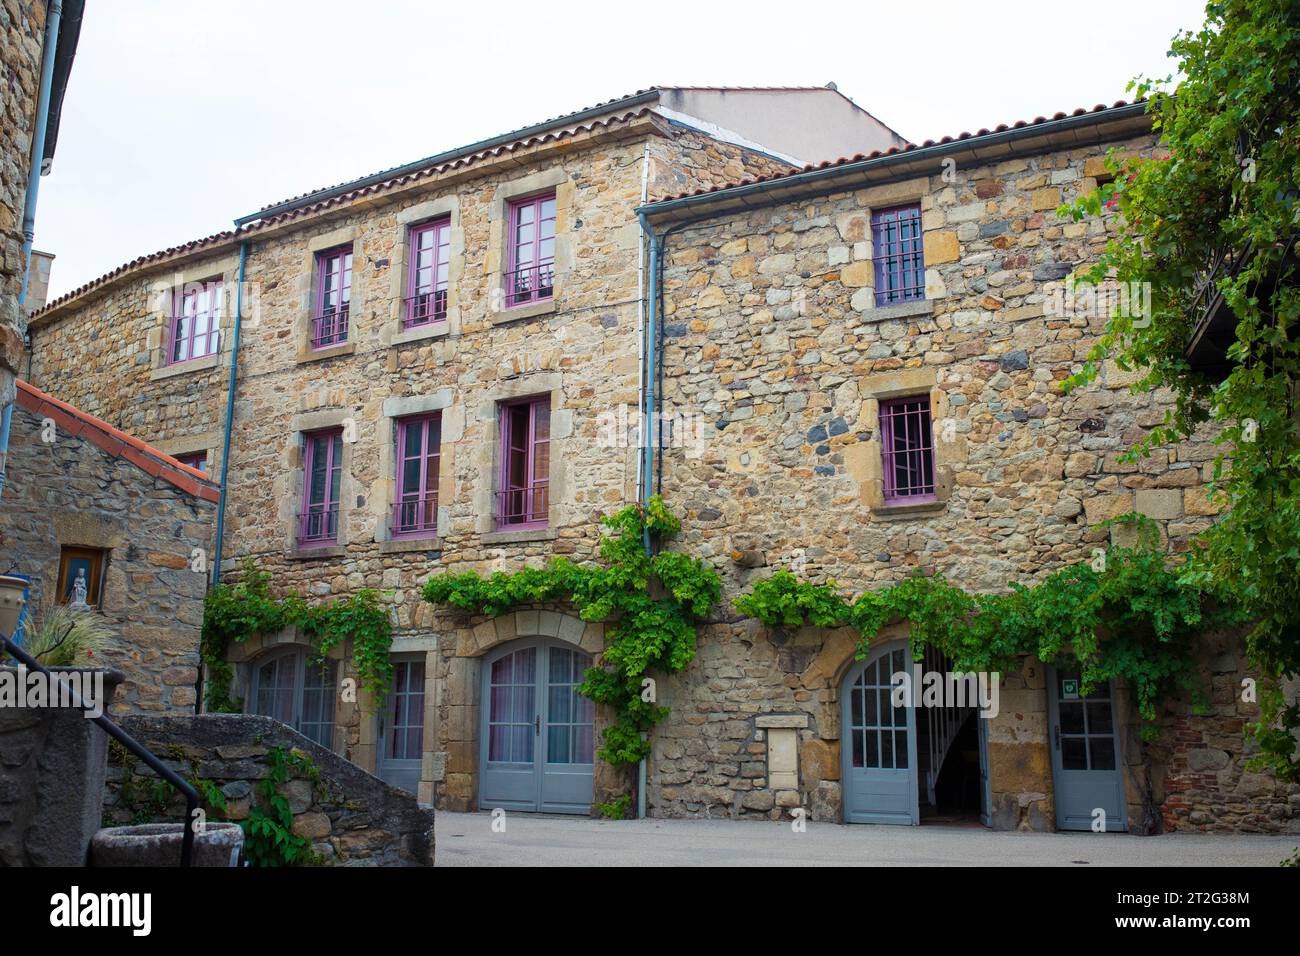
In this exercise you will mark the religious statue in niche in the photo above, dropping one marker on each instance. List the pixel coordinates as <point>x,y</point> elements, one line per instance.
<point>80,572</point>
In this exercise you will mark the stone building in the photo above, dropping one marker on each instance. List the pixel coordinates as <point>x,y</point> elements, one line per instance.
<point>87,501</point>
<point>38,39</point>
<point>873,351</point>
<point>424,356</point>
<point>429,361</point>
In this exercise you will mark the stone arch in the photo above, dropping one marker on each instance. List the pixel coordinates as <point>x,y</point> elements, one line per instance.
<point>513,625</point>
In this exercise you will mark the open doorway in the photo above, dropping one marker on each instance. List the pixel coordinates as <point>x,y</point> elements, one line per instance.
<point>950,756</point>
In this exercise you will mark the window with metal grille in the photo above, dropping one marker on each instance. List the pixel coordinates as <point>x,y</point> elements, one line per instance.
<point>898,254</point>
<point>196,319</point>
<point>907,443</point>
<point>333,297</point>
<point>426,282</point>
<point>318,522</point>
<point>523,494</point>
<point>530,248</point>
<point>419,446</point>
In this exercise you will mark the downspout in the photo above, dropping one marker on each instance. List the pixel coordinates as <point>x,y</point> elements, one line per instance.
<point>642,308</point>
<point>647,441</point>
<point>54,14</point>
<point>230,412</point>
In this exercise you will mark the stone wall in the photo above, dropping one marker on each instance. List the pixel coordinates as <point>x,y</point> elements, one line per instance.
<point>580,349</point>
<point>52,762</point>
<point>71,492</point>
<point>351,818</point>
<point>777,359</point>
<point>22,38</point>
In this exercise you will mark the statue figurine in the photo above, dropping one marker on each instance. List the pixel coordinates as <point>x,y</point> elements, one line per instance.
<point>79,589</point>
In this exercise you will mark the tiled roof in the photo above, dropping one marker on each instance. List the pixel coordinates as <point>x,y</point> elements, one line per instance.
<point>894,150</point>
<point>117,443</point>
<point>306,209</point>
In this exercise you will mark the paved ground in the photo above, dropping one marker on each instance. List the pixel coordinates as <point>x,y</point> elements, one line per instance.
<point>466,839</point>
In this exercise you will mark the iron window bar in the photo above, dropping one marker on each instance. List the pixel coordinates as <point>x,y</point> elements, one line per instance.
<point>137,749</point>
<point>907,446</point>
<point>530,283</point>
<point>416,514</point>
<point>425,309</point>
<point>318,525</point>
<point>330,327</point>
<point>899,254</point>
<point>524,506</point>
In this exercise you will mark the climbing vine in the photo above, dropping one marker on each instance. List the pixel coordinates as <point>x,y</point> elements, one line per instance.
<point>1128,613</point>
<point>269,839</point>
<point>651,603</point>
<point>235,612</point>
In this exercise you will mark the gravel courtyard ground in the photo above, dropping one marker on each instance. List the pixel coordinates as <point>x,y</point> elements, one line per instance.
<point>466,839</point>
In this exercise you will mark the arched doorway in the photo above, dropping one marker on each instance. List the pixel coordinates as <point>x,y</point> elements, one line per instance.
<point>878,744</point>
<point>536,747</point>
<point>289,687</point>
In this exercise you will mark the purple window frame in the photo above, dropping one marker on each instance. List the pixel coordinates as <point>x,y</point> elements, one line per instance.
<point>333,302</point>
<point>898,253</point>
<point>907,450</point>
<point>183,338</point>
<point>318,522</point>
<point>426,300</point>
<point>530,262</point>
<point>523,484</point>
<point>197,460</point>
<point>415,510</point>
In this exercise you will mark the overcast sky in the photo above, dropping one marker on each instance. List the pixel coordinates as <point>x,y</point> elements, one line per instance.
<point>183,114</point>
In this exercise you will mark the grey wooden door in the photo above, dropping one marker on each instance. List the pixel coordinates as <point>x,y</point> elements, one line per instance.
<point>536,751</point>
<point>878,743</point>
<point>401,727</point>
<point>1085,754</point>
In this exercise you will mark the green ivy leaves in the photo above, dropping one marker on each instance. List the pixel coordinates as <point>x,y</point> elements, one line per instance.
<point>651,605</point>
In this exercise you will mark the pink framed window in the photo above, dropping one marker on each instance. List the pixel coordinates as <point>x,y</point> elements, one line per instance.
<point>523,492</point>
<point>329,324</point>
<point>197,460</point>
<point>419,453</point>
<point>318,522</point>
<point>530,248</point>
<point>426,281</point>
<point>196,319</point>
<point>898,254</point>
<point>907,441</point>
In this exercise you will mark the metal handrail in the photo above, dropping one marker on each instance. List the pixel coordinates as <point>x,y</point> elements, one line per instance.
<point>130,743</point>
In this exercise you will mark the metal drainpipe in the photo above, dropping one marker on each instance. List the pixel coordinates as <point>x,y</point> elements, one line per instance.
<point>230,412</point>
<point>647,440</point>
<point>642,307</point>
<point>54,14</point>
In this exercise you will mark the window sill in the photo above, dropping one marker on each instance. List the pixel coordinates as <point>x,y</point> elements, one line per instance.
<point>529,311</point>
<point>409,545</point>
<point>898,310</point>
<point>431,330</point>
<point>899,512</point>
<point>299,553</point>
<point>517,537</point>
<point>333,351</point>
<point>206,363</point>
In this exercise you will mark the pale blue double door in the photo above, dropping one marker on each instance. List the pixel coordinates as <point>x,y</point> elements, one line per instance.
<point>536,746</point>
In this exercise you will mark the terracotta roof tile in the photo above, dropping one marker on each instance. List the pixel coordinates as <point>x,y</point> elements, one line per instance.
<point>893,150</point>
<point>118,444</point>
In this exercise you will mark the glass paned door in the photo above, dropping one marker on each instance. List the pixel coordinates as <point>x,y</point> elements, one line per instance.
<point>401,730</point>
<point>879,743</point>
<point>537,749</point>
<point>1085,755</point>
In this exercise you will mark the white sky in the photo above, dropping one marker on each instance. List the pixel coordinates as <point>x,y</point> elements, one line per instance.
<point>181,114</point>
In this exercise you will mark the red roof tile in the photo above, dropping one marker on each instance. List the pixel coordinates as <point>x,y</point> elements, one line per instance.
<point>117,444</point>
<point>893,150</point>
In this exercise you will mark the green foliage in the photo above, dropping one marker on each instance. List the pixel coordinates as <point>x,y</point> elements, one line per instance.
<point>64,636</point>
<point>620,808</point>
<point>269,839</point>
<point>1128,614</point>
<point>650,603</point>
<point>235,612</point>
<point>1230,183</point>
